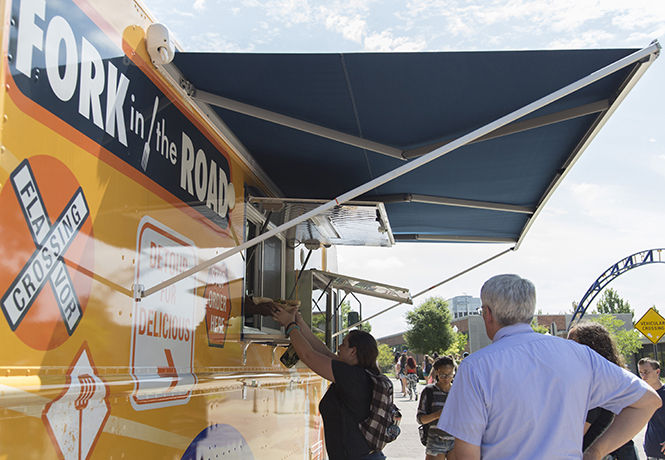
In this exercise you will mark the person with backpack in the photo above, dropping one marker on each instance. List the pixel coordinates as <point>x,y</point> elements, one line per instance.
<point>357,410</point>
<point>439,444</point>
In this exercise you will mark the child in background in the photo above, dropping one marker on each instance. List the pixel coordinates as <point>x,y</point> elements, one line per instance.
<point>432,400</point>
<point>412,377</point>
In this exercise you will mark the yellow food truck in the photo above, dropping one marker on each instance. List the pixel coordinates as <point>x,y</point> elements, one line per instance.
<point>149,196</point>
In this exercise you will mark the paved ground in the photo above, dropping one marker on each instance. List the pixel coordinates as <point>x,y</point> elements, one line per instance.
<point>408,446</point>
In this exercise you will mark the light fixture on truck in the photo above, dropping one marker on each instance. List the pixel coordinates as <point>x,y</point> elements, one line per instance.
<point>159,44</point>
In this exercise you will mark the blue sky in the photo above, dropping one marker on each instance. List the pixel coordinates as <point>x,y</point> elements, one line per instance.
<point>612,204</point>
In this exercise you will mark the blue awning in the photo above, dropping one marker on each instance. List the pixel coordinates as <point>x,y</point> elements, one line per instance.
<point>408,104</point>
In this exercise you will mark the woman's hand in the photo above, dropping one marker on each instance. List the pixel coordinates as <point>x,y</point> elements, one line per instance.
<point>282,316</point>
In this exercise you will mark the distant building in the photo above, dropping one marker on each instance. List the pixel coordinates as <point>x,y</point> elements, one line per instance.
<point>464,305</point>
<point>474,327</point>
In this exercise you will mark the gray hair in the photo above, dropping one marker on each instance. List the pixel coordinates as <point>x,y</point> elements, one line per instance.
<point>512,299</point>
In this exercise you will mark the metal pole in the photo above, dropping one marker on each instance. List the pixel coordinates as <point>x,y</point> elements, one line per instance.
<point>655,351</point>
<point>140,293</point>
<point>329,317</point>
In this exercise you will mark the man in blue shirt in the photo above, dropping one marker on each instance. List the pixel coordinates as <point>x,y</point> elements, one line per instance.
<point>526,395</point>
<point>654,439</point>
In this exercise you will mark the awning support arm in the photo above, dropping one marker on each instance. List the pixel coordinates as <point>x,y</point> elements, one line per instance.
<point>425,290</point>
<point>295,123</point>
<point>524,125</point>
<point>637,73</point>
<point>342,301</point>
<point>452,238</point>
<point>411,165</point>
<point>325,289</point>
<point>445,201</point>
<point>317,306</point>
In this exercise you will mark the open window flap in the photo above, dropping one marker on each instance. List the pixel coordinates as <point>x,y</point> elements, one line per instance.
<point>361,286</point>
<point>355,223</point>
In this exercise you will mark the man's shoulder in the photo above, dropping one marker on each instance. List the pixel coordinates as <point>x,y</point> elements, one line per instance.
<point>527,344</point>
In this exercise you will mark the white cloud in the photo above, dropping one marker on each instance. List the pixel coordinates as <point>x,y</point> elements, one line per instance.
<point>587,39</point>
<point>199,5</point>
<point>384,41</point>
<point>289,12</point>
<point>213,41</point>
<point>351,28</point>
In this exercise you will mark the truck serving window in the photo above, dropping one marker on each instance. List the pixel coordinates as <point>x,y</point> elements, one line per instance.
<point>264,275</point>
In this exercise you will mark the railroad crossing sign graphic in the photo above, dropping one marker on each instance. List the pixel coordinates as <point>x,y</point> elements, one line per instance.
<point>652,325</point>
<point>75,419</point>
<point>45,217</point>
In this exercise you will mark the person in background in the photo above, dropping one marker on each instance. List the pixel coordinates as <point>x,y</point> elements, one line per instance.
<point>654,439</point>
<point>347,401</point>
<point>397,373</point>
<point>432,399</point>
<point>596,337</point>
<point>412,377</point>
<point>525,396</point>
<point>430,376</point>
<point>427,366</point>
<point>402,372</point>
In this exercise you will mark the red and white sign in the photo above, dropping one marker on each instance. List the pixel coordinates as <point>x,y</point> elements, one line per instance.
<point>218,305</point>
<point>163,323</point>
<point>75,419</point>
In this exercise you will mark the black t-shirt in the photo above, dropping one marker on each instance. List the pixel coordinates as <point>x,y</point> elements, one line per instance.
<point>600,419</point>
<point>345,404</point>
<point>656,430</point>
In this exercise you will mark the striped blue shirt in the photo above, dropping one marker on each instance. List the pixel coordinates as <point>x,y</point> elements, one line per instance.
<point>526,395</point>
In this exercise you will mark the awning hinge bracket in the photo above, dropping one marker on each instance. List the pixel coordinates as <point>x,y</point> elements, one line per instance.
<point>188,87</point>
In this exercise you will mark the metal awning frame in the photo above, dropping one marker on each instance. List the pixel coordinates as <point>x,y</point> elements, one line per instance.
<point>646,55</point>
<point>446,201</point>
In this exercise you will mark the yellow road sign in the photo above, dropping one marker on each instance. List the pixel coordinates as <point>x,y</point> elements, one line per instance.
<point>652,325</point>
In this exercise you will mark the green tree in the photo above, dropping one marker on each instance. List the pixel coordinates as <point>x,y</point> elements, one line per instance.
<point>386,358</point>
<point>628,341</point>
<point>430,329</point>
<point>611,302</point>
<point>574,304</point>
<point>458,345</point>
<point>537,327</point>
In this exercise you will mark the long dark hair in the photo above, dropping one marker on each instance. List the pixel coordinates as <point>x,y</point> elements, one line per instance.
<point>366,349</point>
<point>411,363</point>
<point>596,337</point>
